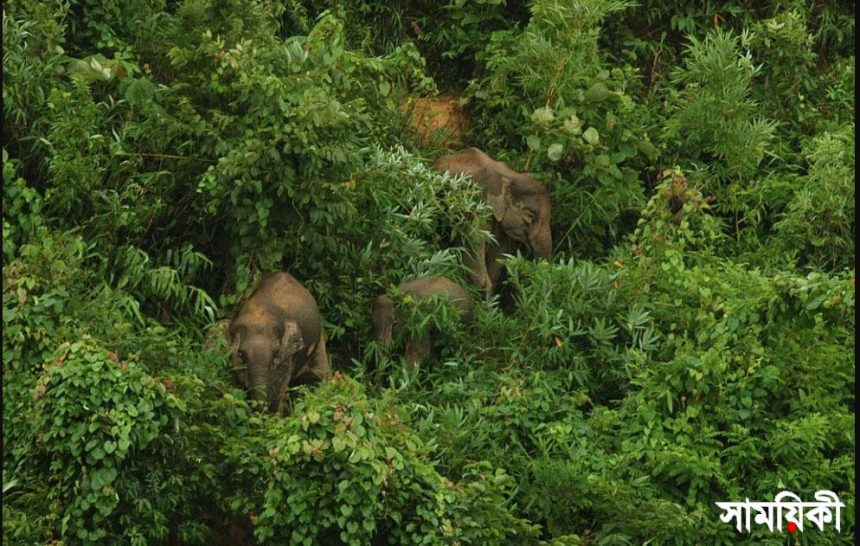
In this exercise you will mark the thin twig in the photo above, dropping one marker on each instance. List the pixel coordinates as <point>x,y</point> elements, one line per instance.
<point>654,69</point>
<point>166,156</point>
<point>550,100</point>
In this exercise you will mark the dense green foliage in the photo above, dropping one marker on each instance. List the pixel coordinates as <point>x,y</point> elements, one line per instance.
<point>692,340</point>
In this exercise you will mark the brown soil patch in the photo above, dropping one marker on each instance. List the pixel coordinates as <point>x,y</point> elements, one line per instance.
<point>437,120</point>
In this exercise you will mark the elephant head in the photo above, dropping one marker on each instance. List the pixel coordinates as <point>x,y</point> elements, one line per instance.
<point>268,351</point>
<point>522,209</point>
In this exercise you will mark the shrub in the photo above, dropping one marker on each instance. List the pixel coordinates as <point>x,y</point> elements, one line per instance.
<point>345,467</point>
<point>691,342</point>
<point>23,206</point>
<point>33,36</point>
<point>818,221</point>
<point>714,111</point>
<point>101,430</point>
<point>548,94</point>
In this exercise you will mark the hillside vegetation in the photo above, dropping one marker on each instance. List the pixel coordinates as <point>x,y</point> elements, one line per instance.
<point>690,342</point>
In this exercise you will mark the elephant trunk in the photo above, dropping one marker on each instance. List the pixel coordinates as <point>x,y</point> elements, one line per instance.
<point>258,361</point>
<point>385,338</point>
<point>258,382</point>
<point>274,402</point>
<point>280,381</point>
<point>541,239</point>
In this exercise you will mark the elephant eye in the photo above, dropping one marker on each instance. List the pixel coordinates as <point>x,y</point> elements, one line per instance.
<point>528,215</point>
<point>242,355</point>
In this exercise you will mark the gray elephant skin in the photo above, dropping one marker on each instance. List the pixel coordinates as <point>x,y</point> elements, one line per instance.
<point>521,213</point>
<point>277,336</point>
<point>386,317</point>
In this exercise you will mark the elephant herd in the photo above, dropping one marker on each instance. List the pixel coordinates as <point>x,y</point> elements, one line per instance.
<point>277,336</point>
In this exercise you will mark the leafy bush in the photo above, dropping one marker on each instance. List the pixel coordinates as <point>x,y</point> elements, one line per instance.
<point>361,472</point>
<point>690,342</point>
<point>406,220</point>
<point>714,112</point>
<point>449,35</point>
<point>784,46</point>
<point>33,36</point>
<point>36,296</point>
<point>818,222</point>
<point>23,206</point>
<point>548,94</point>
<point>100,426</point>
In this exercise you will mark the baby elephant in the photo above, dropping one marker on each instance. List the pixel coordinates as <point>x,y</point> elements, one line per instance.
<point>278,337</point>
<point>386,317</point>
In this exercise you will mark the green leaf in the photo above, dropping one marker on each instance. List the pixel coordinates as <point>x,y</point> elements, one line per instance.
<point>646,148</point>
<point>626,149</point>
<point>572,125</point>
<point>555,151</point>
<point>591,136</point>
<point>140,92</point>
<point>597,92</point>
<point>543,116</point>
<point>102,477</point>
<point>7,486</point>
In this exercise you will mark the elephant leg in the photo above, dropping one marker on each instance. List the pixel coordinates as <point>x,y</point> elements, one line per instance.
<point>495,267</point>
<point>477,264</point>
<point>493,253</point>
<point>416,351</point>
<point>282,394</point>
<point>321,368</point>
<point>317,368</point>
<point>282,377</point>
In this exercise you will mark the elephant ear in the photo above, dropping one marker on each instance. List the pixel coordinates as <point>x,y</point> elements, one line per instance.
<point>217,336</point>
<point>291,342</point>
<point>528,216</point>
<point>501,201</point>
<point>235,364</point>
<point>233,340</point>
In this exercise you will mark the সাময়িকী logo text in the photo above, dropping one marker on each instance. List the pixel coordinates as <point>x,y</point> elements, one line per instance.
<point>784,503</point>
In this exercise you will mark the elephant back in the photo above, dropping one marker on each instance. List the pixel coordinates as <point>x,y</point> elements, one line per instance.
<point>425,287</point>
<point>489,172</point>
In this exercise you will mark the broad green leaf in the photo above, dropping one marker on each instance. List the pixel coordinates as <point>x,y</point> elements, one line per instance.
<point>597,92</point>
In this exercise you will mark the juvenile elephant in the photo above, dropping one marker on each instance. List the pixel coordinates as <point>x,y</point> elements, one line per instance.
<point>386,317</point>
<point>521,211</point>
<point>277,336</point>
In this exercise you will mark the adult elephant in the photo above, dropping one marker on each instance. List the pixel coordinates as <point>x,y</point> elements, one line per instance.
<point>521,213</point>
<point>277,336</point>
<point>386,317</point>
